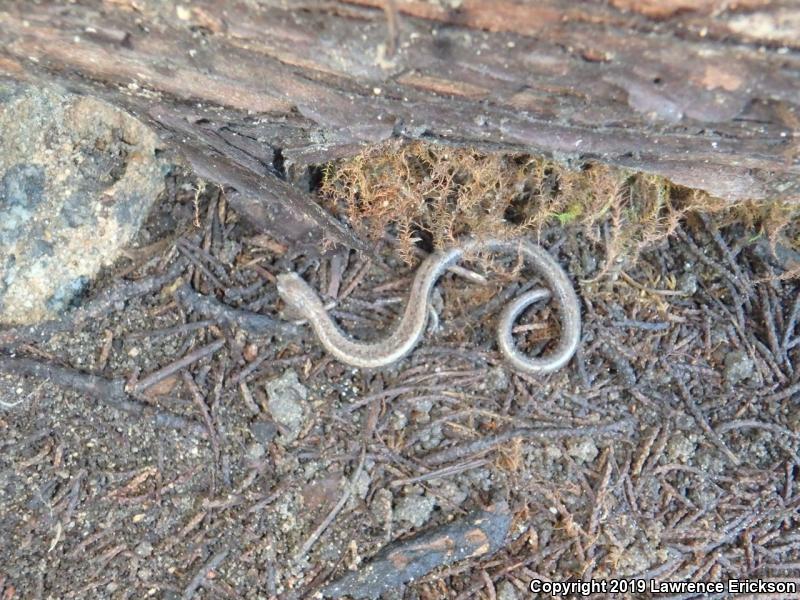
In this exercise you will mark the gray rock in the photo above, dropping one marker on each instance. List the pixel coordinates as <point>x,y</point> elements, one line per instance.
<point>738,366</point>
<point>681,447</point>
<point>381,508</point>
<point>414,509</point>
<point>688,283</point>
<point>255,451</point>
<point>451,491</point>
<point>263,431</point>
<point>497,379</point>
<point>144,549</point>
<point>287,404</point>
<point>583,450</point>
<point>77,179</point>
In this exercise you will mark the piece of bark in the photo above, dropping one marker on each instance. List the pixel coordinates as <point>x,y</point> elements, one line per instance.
<point>255,189</point>
<point>706,96</point>
<point>477,535</point>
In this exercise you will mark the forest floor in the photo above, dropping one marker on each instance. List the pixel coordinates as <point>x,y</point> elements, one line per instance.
<point>166,442</point>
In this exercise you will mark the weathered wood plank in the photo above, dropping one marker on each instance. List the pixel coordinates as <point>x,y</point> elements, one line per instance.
<point>686,92</point>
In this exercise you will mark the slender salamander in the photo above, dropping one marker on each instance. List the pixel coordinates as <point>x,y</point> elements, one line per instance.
<point>297,294</point>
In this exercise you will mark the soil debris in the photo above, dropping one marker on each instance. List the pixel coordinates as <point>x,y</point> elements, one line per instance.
<point>653,454</point>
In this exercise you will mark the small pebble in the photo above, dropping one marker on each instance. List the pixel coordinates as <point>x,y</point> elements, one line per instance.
<point>250,352</point>
<point>583,450</point>
<point>688,283</point>
<point>415,509</point>
<point>263,431</point>
<point>144,549</point>
<point>255,451</point>
<point>738,366</point>
<point>287,404</point>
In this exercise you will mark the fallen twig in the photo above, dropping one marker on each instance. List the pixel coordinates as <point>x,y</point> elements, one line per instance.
<point>108,391</point>
<point>251,322</point>
<point>212,563</point>
<point>177,365</point>
<point>199,400</point>
<point>334,511</point>
<point>528,433</point>
<point>441,473</point>
<point>701,421</point>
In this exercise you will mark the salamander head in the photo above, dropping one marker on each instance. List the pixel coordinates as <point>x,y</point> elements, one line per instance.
<point>296,293</point>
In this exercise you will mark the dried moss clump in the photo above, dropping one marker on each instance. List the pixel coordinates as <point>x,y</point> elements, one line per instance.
<point>417,190</point>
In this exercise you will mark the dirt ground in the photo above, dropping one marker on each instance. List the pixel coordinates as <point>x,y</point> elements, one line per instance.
<point>260,468</point>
